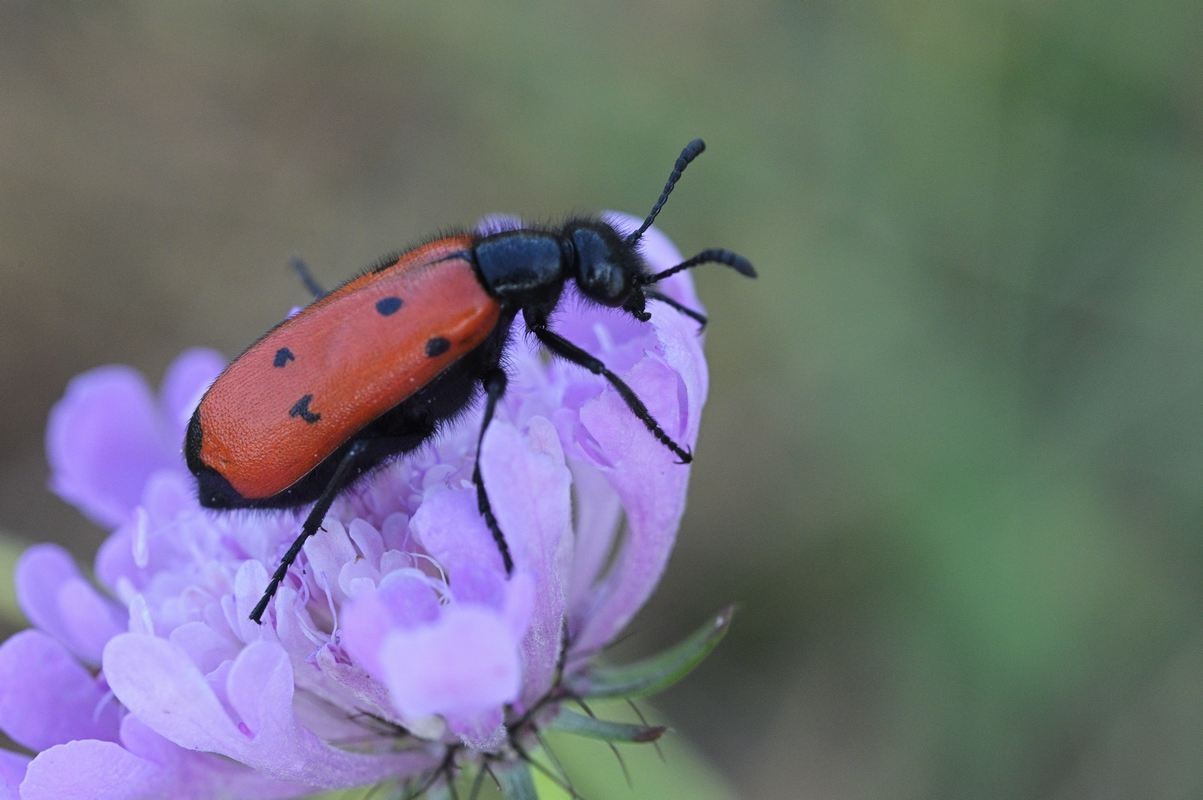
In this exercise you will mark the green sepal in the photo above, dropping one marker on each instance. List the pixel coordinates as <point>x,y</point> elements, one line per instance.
<point>516,782</point>
<point>655,674</point>
<point>571,722</point>
<point>441,790</point>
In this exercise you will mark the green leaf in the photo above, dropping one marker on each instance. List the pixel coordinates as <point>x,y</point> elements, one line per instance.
<point>571,722</point>
<point>516,782</point>
<point>669,770</point>
<point>657,673</point>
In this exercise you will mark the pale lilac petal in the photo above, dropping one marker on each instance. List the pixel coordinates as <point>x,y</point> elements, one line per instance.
<point>93,770</point>
<point>625,223</point>
<point>497,223</point>
<point>12,772</point>
<point>404,600</point>
<point>651,486</point>
<point>103,441</point>
<point>327,552</point>
<point>157,682</point>
<point>598,515</point>
<point>168,495</point>
<point>160,685</point>
<point>449,527</point>
<point>205,647</point>
<point>367,540</point>
<point>530,491</point>
<point>186,380</point>
<point>56,598</point>
<point>200,776</point>
<point>114,563</point>
<point>465,664</point>
<point>643,473</point>
<point>483,732</point>
<point>47,697</point>
<point>248,588</point>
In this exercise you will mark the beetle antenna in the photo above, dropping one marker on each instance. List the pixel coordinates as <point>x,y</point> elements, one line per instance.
<point>691,151</point>
<point>733,260</point>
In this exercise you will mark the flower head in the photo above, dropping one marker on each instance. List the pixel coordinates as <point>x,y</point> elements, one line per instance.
<point>397,649</point>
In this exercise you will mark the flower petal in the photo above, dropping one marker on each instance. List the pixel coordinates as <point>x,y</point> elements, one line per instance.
<point>497,223</point>
<point>162,687</point>
<point>643,473</point>
<point>598,514</point>
<point>186,380</point>
<point>104,441</point>
<point>56,598</point>
<point>47,697</point>
<point>12,772</point>
<point>465,664</point>
<point>530,492</point>
<point>92,770</point>
<point>449,527</point>
<point>404,600</point>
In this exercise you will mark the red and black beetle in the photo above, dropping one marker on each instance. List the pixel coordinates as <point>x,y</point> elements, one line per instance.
<point>370,370</point>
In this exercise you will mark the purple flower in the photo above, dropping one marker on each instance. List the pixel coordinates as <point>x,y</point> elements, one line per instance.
<point>397,649</point>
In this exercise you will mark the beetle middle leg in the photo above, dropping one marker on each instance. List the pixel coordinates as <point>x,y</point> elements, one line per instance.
<point>494,381</point>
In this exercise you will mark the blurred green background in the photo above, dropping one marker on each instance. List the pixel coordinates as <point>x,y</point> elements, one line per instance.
<point>951,462</point>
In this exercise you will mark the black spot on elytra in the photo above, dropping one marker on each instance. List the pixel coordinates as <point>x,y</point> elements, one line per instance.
<point>301,409</point>
<point>388,305</point>
<point>283,356</point>
<point>437,346</point>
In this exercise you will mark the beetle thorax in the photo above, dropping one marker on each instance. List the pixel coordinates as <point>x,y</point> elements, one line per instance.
<point>523,268</point>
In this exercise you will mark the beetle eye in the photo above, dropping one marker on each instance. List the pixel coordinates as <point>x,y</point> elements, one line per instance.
<point>605,281</point>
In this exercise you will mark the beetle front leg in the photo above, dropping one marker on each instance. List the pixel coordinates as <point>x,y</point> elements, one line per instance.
<point>570,352</point>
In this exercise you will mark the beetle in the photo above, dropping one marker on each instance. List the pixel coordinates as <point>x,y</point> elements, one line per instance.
<point>370,370</point>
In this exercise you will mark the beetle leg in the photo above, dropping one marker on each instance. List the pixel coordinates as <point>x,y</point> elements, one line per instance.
<point>311,525</point>
<point>698,316</point>
<point>570,352</point>
<point>306,276</point>
<point>494,383</point>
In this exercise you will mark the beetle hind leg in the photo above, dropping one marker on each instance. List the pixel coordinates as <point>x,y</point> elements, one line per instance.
<point>313,522</point>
